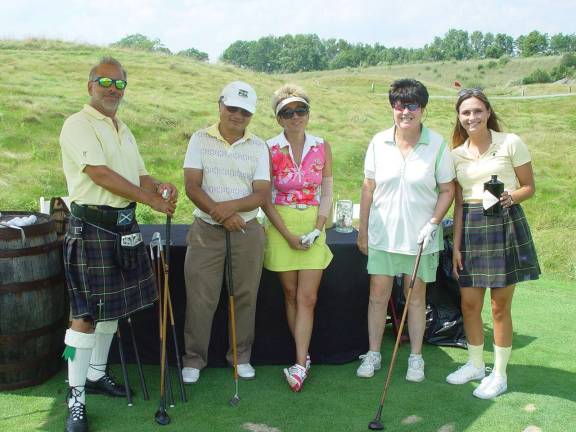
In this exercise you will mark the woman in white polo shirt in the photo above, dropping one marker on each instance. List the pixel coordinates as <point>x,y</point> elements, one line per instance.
<point>407,189</point>
<point>493,252</point>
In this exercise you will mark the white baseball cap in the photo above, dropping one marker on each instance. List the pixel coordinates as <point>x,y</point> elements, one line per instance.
<point>239,94</point>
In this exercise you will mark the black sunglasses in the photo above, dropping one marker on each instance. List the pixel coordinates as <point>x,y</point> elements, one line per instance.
<point>233,109</point>
<point>476,91</point>
<point>288,113</point>
<point>412,106</point>
<point>107,82</point>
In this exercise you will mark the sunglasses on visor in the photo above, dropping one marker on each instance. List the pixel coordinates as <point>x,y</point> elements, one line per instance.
<point>108,82</point>
<point>471,91</point>
<point>289,113</point>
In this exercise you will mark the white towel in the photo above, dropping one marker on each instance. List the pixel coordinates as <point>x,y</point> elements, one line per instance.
<point>20,221</point>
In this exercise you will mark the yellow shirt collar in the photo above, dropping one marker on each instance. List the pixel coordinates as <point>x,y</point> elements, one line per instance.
<point>93,112</point>
<point>215,132</point>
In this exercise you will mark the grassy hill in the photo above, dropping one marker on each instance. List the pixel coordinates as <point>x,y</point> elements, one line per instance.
<point>169,98</point>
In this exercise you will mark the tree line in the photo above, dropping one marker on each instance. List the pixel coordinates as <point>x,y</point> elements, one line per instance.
<point>307,52</point>
<point>141,42</point>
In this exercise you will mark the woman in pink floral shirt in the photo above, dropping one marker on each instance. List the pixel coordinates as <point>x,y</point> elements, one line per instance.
<point>300,205</point>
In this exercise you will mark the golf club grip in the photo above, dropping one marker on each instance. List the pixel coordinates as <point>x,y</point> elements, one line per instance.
<point>168,241</point>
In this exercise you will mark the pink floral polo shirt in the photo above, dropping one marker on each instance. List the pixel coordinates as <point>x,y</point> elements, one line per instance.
<point>293,184</point>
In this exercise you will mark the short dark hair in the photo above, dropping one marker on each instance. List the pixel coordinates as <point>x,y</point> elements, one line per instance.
<point>106,61</point>
<point>459,134</point>
<point>408,90</point>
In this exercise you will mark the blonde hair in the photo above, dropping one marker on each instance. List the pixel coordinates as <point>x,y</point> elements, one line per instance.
<point>286,91</point>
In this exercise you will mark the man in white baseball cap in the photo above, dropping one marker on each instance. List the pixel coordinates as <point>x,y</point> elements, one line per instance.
<point>239,94</point>
<point>227,177</point>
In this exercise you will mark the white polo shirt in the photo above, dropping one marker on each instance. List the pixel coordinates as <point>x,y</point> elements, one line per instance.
<point>227,170</point>
<point>406,190</point>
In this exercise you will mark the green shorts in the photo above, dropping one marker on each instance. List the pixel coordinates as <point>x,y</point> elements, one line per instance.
<point>392,264</point>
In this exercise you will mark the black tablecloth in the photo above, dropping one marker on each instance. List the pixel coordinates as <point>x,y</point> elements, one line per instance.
<point>340,331</point>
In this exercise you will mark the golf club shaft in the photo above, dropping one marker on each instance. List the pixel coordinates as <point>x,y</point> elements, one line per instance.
<point>176,351</point>
<point>138,362</point>
<point>232,308</point>
<point>124,369</point>
<point>164,320</point>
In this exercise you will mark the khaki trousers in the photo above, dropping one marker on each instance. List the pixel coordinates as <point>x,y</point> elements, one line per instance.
<point>204,272</point>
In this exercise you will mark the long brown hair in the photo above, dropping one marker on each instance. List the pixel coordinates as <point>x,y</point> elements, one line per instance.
<point>459,135</point>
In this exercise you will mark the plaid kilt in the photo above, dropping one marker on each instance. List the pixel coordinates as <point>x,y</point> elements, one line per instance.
<point>99,289</point>
<point>497,251</point>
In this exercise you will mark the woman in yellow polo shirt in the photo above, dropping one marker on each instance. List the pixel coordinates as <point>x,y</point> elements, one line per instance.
<point>493,252</point>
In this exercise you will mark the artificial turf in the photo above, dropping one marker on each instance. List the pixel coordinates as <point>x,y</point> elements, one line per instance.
<point>541,395</point>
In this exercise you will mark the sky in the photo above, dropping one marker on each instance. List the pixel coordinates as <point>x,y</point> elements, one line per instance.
<point>212,25</point>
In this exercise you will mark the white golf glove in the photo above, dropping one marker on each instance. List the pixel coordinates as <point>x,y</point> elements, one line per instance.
<point>309,238</point>
<point>427,234</point>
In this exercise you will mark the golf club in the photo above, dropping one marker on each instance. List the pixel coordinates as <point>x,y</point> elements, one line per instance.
<point>124,369</point>
<point>161,416</point>
<point>376,423</point>
<point>138,362</point>
<point>183,397</point>
<point>230,285</point>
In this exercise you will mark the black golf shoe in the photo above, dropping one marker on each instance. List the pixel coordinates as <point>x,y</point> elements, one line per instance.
<point>77,420</point>
<point>106,386</point>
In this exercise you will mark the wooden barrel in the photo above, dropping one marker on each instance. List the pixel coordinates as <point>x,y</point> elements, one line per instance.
<point>33,303</point>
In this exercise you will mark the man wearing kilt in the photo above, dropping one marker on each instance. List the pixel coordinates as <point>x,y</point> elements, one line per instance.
<point>490,251</point>
<point>108,272</point>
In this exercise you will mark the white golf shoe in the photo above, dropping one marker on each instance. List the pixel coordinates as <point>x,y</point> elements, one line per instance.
<point>190,375</point>
<point>466,373</point>
<point>371,361</point>
<point>246,371</point>
<point>415,372</point>
<point>491,386</point>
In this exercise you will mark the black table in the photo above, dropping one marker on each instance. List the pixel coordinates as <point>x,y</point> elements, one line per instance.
<point>340,332</point>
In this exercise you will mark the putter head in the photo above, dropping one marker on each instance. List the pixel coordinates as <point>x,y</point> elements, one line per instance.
<point>162,417</point>
<point>375,425</point>
<point>234,401</point>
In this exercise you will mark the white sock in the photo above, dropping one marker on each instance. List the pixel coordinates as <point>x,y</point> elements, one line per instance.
<point>99,359</point>
<point>476,355</point>
<point>415,356</point>
<point>78,367</point>
<point>501,357</point>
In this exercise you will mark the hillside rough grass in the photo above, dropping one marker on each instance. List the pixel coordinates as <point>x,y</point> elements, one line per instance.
<point>170,97</point>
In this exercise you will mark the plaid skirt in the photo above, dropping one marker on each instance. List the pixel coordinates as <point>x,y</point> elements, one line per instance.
<point>99,288</point>
<point>496,251</point>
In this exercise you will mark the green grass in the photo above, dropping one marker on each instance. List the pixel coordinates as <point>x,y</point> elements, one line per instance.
<point>168,98</point>
<point>542,379</point>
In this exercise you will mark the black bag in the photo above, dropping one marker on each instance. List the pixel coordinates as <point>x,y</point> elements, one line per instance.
<point>444,322</point>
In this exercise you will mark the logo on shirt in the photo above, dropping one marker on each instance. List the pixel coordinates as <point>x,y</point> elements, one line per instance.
<point>243,93</point>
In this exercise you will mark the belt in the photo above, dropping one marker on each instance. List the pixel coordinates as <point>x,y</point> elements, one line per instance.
<point>299,206</point>
<point>104,215</point>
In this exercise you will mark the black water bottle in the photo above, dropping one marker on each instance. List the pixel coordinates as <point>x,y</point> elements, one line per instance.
<point>491,198</point>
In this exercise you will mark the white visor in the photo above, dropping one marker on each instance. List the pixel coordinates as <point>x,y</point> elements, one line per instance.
<point>286,101</point>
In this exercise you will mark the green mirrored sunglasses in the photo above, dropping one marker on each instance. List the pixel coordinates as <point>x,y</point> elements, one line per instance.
<point>107,82</point>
